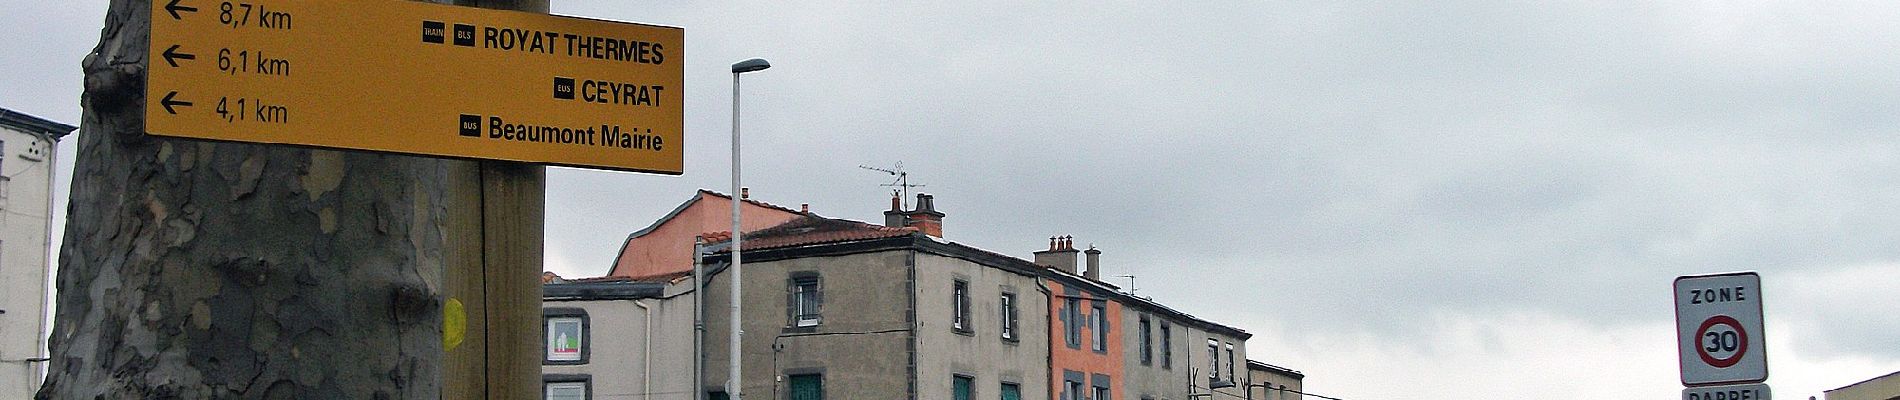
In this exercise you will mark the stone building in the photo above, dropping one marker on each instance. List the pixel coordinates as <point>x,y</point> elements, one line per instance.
<point>1271,382</point>
<point>666,247</point>
<point>616,337</point>
<point>849,310</point>
<point>881,312</point>
<point>27,145</point>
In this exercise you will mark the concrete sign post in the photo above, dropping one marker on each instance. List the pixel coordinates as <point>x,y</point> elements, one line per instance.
<point>1719,336</point>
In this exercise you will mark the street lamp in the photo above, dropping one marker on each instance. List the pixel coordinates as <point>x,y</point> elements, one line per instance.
<point>732,376</point>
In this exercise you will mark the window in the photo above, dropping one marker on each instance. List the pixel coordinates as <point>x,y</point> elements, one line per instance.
<point>567,336</point>
<point>1012,391</point>
<point>565,390</point>
<point>1101,393</point>
<point>1009,316</point>
<point>1167,346</point>
<point>961,321</point>
<point>567,387</point>
<point>1230,361</point>
<point>808,387</point>
<point>960,386</point>
<point>717,394</point>
<point>1072,322</point>
<point>1213,359</point>
<point>806,299</point>
<point>1073,391</point>
<point>1099,321</point>
<point>1147,348</point>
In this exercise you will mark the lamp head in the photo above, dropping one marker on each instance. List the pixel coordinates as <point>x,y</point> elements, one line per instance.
<point>750,65</point>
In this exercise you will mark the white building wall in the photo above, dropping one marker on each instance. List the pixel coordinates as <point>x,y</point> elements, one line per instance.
<point>25,210</point>
<point>638,349</point>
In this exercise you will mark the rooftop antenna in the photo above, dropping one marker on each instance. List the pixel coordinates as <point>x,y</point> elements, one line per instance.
<point>902,182</point>
<point>1131,283</point>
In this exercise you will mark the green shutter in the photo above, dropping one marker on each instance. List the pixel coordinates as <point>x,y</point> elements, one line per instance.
<point>808,387</point>
<point>962,388</point>
<point>1012,392</point>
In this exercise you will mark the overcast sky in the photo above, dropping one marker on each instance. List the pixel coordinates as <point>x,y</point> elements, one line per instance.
<point>1404,200</point>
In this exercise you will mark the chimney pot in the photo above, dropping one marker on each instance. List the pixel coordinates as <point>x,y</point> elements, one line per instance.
<point>804,208</point>
<point>924,202</point>
<point>924,217</point>
<point>745,193</point>
<point>1058,256</point>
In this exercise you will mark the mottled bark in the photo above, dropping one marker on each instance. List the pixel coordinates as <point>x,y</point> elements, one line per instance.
<point>203,270</point>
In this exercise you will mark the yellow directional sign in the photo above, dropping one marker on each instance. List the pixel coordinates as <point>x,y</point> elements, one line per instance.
<point>419,78</point>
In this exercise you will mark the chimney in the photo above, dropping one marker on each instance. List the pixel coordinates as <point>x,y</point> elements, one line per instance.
<point>1095,264</point>
<point>1060,255</point>
<point>803,208</point>
<point>895,216</point>
<point>925,217</point>
<point>745,193</point>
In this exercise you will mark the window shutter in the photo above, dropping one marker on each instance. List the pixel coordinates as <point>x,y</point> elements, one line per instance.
<point>818,299</point>
<point>791,302</point>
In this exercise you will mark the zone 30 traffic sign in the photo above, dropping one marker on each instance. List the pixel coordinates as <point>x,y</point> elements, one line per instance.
<point>1719,329</point>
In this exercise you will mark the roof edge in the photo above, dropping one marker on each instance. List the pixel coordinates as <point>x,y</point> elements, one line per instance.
<point>615,290</point>
<point>1869,380</point>
<point>921,242</point>
<point>35,125</point>
<point>1275,368</point>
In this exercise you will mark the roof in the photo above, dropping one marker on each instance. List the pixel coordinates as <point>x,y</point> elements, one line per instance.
<point>807,230</point>
<point>1871,380</point>
<point>1256,365</point>
<point>601,290</point>
<point>812,234</point>
<point>1111,291</point>
<point>689,203</point>
<point>34,125</point>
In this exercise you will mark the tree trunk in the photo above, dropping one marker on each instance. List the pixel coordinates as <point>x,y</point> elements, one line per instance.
<point>204,270</point>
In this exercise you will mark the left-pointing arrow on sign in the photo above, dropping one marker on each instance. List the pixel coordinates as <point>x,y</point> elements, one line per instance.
<point>169,102</point>
<point>172,56</point>
<point>174,8</point>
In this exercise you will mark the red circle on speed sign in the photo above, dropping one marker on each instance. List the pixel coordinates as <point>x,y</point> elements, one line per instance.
<point>1721,341</point>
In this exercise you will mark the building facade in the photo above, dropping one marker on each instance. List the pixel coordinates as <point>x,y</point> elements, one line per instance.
<point>1109,344</point>
<point>666,247</point>
<point>848,310</point>
<point>27,148</point>
<point>1271,382</point>
<point>616,338</point>
<point>1085,336</point>
<point>876,312</point>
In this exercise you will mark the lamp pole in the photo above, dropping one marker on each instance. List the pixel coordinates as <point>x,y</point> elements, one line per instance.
<point>733,390</point>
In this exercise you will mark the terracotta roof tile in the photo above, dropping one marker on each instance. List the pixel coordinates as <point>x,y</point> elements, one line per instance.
<point>663,278</point>
<point>810,230</point>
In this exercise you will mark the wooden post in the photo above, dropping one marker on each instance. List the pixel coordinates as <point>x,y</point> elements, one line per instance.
<point>495,275</point>
<point>497,219</point>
